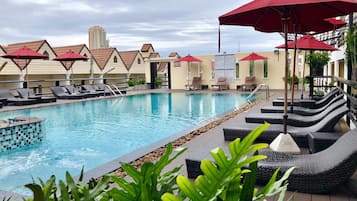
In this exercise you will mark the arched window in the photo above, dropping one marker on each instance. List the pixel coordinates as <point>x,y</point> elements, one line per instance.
<point>85,56</point>
<point>115,59</point>
<point>139,61</point>
<point>46,54</point>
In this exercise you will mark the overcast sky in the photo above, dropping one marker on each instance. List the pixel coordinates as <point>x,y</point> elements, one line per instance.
<point>185,26</point>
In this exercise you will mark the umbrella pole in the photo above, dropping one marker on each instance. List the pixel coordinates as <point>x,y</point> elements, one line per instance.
<point>286,76</point>
<point>293,78</point>
<point>303,77</point>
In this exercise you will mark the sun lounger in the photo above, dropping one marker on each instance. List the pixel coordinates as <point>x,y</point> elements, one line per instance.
<point>221,83</point>
<point>91,89</point>
<point>196,84</point>
<point>300,110</point>
<point>5,94</point>
<point>310,103</point>
<point>315,173</point>
<point>293,119</point>
<point>73,90</point>
<point>62,93</point>
<point>327,124</point>
<point>28,93</point>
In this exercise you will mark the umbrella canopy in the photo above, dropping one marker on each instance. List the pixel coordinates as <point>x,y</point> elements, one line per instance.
<point>188,58</point>
<point>299,16</point>
<point>309,42</point>
<point>287,16</point>
<point>26,54</point>
<point>68,58</point>
<point>335,22</point>
<point>252,57</point>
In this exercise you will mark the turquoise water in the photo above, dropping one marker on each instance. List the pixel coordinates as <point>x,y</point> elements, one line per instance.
<point>92,133</point>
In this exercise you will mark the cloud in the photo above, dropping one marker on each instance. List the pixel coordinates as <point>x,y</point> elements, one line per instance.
<point>183,26</point>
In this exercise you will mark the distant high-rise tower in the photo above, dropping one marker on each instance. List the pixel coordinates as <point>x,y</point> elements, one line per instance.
<point>97,38</point>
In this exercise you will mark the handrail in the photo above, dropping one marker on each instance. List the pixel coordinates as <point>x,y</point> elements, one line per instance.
<point>260,86</point>
<point>116,88</point>
<point>111,90</point>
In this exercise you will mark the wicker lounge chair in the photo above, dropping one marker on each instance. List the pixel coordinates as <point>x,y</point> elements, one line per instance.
<point>28,93</point>
<point>196,84</point>
<point>221,83</point>
<point>91,89</point>
<point>300,110</point>
<point>315,173</point>
<point>73,90</point>
<point>249,83</point>
<point>62,93</point>
<point>327,124</point>
<point>310,103</point>
<point>9,99</point>
<point>293,119</point>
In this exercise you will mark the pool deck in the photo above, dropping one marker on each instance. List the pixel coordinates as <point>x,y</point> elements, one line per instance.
<point>200,145</point>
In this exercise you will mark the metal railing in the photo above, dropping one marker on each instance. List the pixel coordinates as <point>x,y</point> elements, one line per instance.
<point>351,95</point>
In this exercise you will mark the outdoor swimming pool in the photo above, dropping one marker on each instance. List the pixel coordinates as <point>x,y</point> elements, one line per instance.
<point>92,133</point>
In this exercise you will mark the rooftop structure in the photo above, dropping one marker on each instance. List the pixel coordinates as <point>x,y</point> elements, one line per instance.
<point>97,38</point>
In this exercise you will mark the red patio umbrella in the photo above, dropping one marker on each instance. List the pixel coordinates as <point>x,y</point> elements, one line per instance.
<point>306,42</point>
<point>189,59</point>
<point>252,57</point>
<point>288,16</point>
<point>22,58</point>
<point>68,58</point>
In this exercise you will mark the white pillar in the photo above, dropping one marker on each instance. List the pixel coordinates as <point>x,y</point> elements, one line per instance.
<point>21,79</point>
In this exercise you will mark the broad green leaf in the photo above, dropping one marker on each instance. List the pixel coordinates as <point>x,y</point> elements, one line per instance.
<point>187,188</point>
<point>220,157</point>
<point>249,181</point>
<point>210,170</point>
<point>63,190</point>
<point>170,197</point>
<point>72,186</point>
<point>131,171</point>
<point>37,191</point>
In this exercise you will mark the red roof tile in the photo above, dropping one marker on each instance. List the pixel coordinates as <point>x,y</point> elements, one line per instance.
<point>128,58</point>
<point>102,56</point>
<point>63,49</point>
<point>154,55</point>
<point>146,47</point>
<point>33,45</point>
<point>174,54</point>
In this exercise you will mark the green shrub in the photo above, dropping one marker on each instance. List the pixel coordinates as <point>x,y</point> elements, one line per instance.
<point>131,83</point>
<point>142,81</point>
<point>317,59</point>
<point>158,81</point>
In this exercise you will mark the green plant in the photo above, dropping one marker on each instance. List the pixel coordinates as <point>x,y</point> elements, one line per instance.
<point>131,83</point>
<point>226,178</point>
<point>158,81</point>
<point>351,46</point>
<point>68,190</point>
<point>141,81</point>
<point>149,183</point>
<point>317,59</point>
<point>296,80</point>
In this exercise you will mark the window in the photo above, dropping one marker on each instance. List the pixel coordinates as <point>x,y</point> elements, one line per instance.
<point>46,54</point>
<point>237,70</point>
<point>139,60</point>
<point>115,59</point>
<point>251,68</point>
<point>265,69</point>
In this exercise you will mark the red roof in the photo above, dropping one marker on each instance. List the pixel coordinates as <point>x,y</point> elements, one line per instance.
<point>102,56</point>
<point>128,57</point>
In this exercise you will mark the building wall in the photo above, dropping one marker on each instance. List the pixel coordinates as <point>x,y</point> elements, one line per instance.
<point>137,68</point>
<point>276,63</point>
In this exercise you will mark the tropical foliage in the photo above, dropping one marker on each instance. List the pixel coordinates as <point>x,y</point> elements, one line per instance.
<point>317,59</point>
<point>351,46</point>
<point>226,178</point>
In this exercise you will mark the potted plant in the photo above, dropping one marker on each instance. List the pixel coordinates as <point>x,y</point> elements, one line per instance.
<point>317,61</point>
<point>296,81</point>
<point>158,82</point>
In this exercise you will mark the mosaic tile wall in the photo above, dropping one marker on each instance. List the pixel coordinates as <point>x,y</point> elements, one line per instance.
<point>16,136</point>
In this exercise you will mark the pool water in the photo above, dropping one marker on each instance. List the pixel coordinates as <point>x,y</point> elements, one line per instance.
<point>92,133</point>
